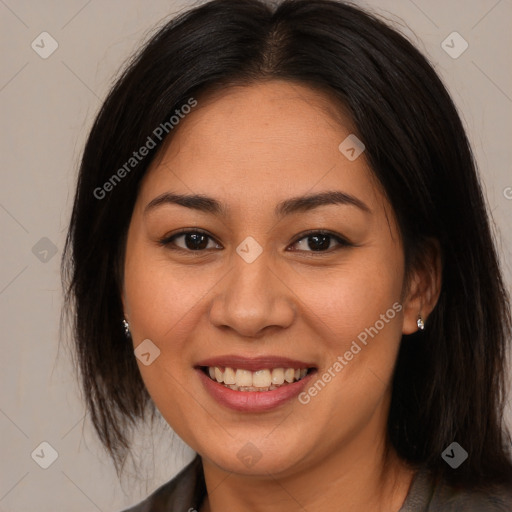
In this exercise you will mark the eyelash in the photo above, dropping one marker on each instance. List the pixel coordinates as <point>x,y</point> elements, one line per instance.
<point>168,241</point>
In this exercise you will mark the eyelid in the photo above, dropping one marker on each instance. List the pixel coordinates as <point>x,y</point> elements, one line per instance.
<point>168,239</point>
<point>342,241</point>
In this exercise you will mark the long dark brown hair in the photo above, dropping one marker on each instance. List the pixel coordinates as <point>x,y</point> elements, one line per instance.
<point>449,384</point>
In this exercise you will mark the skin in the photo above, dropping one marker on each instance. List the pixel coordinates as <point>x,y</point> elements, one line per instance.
<point>251,147</point>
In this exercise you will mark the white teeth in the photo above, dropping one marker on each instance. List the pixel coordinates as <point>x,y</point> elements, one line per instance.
<point>278,376</point>
<point>229,376</point>
<point>260,380</point>
<point>243,378</point>
<point>289,374</point>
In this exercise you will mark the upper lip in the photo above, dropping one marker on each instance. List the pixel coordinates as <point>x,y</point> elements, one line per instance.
<point>254,363</point>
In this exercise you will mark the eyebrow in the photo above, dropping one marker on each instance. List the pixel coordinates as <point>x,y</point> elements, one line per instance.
<point>297,204</point>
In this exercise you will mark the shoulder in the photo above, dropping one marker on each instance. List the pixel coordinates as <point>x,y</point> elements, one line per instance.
<point>429,495</point>
<point>184,492</point>
<point>449,499</point>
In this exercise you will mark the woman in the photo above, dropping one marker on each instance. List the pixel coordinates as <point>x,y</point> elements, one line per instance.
<point>279,242</point>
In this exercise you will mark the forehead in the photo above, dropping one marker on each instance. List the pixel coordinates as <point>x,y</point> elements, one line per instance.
<point>263,141</point>
<point>275,113</point>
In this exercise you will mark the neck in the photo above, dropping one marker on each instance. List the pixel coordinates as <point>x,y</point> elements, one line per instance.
<point>349,478</point>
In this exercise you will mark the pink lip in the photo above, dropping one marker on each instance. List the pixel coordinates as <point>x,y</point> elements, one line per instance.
<point>253,401</point>
<point>254,363</point>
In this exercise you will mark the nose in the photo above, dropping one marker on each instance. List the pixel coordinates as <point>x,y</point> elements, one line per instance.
<point>251,298</point>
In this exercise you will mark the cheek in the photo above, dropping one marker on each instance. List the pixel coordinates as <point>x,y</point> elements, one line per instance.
<point>162,299</point>
<point>165,304</point>
<point>358,327</point>
<point>353,296</point>
<point>357,317</point>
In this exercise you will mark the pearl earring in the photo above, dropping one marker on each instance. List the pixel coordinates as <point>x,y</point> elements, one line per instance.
<point>420,322</point>
<point>126,326</point>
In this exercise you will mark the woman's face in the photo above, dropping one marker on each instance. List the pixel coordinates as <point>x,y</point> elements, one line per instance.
<point>258,287</point>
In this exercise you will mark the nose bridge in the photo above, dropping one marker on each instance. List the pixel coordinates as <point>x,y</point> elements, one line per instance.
<point>252,297</point>
<point>252,279</point>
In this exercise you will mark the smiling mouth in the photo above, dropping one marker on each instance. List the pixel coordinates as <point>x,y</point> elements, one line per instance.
<point>266,379</point>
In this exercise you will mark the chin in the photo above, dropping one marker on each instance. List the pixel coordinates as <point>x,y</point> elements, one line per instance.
<point>256,459</point>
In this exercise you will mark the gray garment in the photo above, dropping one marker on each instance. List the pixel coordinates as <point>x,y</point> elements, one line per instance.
<point>424,496</point>
<point>186,491</point>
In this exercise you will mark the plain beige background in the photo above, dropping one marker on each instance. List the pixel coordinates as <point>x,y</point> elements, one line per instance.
<point>47,107</point>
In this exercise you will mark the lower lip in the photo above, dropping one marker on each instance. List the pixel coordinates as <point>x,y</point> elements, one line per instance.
<point>253,401</point>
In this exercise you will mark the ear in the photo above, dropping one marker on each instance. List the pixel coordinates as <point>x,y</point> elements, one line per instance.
<point>124,301</point>
<point>424,286</point>
<point>122,290</point>
<point>125,311</point>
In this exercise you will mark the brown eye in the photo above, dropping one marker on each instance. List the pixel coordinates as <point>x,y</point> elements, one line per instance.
<point>319,241</point>
<point>192,241</point>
